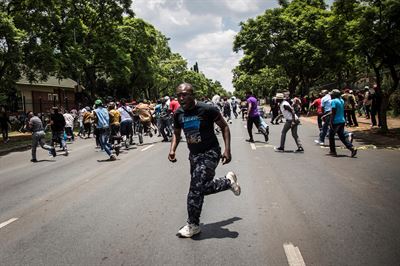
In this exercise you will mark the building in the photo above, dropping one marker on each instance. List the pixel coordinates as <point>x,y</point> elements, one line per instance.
<point>40,97</point>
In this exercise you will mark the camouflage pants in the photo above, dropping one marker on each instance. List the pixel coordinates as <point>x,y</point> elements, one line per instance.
<point>202,169</point>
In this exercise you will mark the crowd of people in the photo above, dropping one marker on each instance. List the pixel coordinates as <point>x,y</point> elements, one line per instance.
<point>111,124</point>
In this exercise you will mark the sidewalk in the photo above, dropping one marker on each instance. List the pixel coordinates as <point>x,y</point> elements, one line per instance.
<point>18,142</point>
<point>372,136</point>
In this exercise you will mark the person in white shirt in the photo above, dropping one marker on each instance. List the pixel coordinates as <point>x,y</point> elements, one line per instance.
<point>292,122</point>
<point>126,121</point>
<point>69,125</point>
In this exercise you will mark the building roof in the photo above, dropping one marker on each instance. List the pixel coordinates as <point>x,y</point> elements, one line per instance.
<point>50,82</point>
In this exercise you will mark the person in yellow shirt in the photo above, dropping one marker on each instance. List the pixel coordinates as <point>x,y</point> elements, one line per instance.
<point>115,119</point>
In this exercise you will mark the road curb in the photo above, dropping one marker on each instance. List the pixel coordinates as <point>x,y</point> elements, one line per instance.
<point>13,149</point>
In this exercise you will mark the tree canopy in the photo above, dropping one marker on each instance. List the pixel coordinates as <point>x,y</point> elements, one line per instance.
<point>98,43</point>
<point>305,44</point>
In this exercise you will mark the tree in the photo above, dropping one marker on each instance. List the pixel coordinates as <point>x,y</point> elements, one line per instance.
<point>291,37</point>
<point>373,30</point>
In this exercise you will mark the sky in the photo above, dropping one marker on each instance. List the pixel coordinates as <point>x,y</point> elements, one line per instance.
<point>203,30</point>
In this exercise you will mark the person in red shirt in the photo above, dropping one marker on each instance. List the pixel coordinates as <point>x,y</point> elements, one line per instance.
<point>317,104</point>
<point>174,105</point>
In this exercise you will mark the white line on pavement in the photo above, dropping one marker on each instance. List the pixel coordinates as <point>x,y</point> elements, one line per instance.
<point>148,147</point>
<point>253,146</point>
<point>8,222</point>
<point>293,255</point>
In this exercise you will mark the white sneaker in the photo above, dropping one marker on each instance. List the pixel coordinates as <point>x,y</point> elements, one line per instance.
<point>189,230</point>
<point>317,141</point>
<point>235,187</point>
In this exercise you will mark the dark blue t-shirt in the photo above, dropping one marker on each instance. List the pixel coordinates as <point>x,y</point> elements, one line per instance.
<point>198,126</point>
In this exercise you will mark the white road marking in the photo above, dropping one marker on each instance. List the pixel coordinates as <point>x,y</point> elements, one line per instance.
<point>148,147</point>
<point>253,146</point>
<point>8,222</point>
<point>293,255</point>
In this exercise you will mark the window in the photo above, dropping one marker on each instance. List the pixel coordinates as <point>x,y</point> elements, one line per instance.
<point>52,97</point>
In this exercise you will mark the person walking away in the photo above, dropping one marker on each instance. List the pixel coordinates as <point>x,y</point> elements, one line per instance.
<point>351,114</point>
<point>102,123</point>
<point>347,99</point>
<point>326,109</point>
<point>174,105</point>
<point>253,117</point>
<point>35,125</point>
<point>243,109</point>
<point>317,105</point>
<point>69,125</point>
<point>57,125</point>
<point>292,122</point>
<point>197,121</point>
<point>115,135</point>
<point>367,102</point>
<point>144,111</point>
<point>87,121</point>
<point>157,110</point>
<point>359,103</point>
<point>376,101</point>
<point>4,122</point>
<point>164,120</point>
<point>337,125</point>
<point>126,121</point>
<point>234,107</point>
<point>227,110</point>
<point>274,110</point>
<point>296,105</point>
<point>81,132</point>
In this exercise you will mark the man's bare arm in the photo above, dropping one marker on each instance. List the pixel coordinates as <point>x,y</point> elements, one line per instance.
<point>176,137</point>
<point>226,134</point>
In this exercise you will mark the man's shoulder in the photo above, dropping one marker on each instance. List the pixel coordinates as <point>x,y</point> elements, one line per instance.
<point>207,107</point>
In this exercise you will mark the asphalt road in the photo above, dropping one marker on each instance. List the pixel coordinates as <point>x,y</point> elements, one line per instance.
<point>295,208</point>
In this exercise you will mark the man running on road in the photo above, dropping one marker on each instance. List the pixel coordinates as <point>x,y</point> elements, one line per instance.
<point>36,126</point>
<point>197,121</point>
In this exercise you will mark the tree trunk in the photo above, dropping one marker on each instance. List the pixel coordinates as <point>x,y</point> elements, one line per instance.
<point>383,112</point>
<point>385,98</point>
<point>292,85</point>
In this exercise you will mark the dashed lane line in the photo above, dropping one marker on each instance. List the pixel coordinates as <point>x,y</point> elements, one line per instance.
<point>253,146</point>
<point>293,255</point>
<point>148,147</point>
<point>8,222</point>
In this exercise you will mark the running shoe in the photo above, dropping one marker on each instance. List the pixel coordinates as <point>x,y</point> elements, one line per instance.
<point>300,149</point>
<point>353,152</point>
<point>113,158</point>
<point>317,141</point>
<point>279,149</point>
<point>331,153</point>
<point>235,187</point>
<point>189,230</point>
<point>53,152</point>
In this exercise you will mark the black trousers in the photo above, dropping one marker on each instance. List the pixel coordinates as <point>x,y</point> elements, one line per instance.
<point>202,183</point>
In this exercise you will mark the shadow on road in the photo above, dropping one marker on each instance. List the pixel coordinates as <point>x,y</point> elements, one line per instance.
<point>215,230</point>
<point>39,161</point>
<point>106,160</point>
